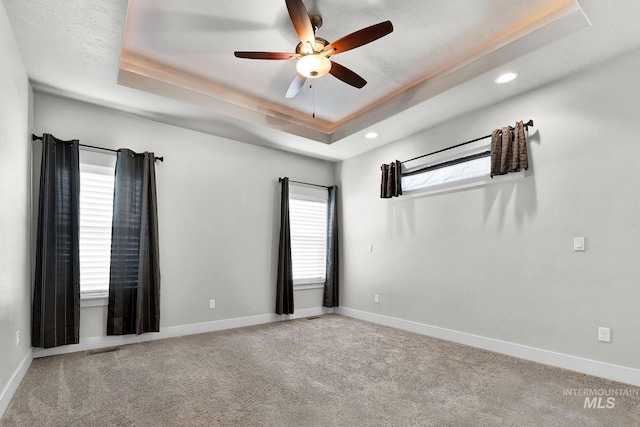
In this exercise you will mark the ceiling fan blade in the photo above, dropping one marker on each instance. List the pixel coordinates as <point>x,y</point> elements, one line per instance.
<point>296,85</point>
<point>359,38</point>
<point>346,75</point>
<point>266,55</point>
<point>301,22</point>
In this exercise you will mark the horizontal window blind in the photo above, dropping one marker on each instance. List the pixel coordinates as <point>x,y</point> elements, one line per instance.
<point>96,212</point>
<point>474,169</point>
<point>308,221</point>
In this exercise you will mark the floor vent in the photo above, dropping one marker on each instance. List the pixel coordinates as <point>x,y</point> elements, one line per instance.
<point>313,318</point>
<point>103,350</point>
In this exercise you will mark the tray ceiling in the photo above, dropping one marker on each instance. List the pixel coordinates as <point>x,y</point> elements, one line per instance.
<point>173,62</point>
<point>186,49</point>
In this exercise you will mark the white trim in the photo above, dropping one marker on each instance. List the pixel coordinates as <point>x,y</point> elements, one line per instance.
<point>93,343</point>
<point>307,286</point>
<point>591,367</point>
<point>93,301</point>
<point>14,382</point>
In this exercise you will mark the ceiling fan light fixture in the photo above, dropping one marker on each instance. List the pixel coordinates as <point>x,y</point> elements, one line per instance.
<point>313,66</point>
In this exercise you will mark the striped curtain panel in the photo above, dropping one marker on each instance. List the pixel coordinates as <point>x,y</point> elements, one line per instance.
<point>134,283</point>
<point>284,282</point>
<point>56,294</point>
<point>331,287</point>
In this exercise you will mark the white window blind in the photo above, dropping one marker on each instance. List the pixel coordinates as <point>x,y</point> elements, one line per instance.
<point>469,171</point>
<point>308,221</point>
<point>96,212</point>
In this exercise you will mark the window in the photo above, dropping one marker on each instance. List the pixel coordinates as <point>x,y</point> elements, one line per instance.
<point>96,212</point>
<point>465,171</point>
<point>308,221</point>
<point>463,167</point>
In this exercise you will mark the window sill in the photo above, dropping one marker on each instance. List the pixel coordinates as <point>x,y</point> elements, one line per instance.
<point>94,299</point>
<point>307,286</point>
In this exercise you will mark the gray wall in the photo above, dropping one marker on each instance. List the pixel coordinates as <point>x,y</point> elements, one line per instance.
<point>498,261</point>
<point>218,208</point>
<point>15,175</point>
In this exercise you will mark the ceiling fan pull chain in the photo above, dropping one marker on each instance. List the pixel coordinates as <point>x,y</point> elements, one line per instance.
<point>313,88</point>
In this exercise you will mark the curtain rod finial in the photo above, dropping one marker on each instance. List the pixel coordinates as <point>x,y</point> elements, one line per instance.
<point>529,123</point>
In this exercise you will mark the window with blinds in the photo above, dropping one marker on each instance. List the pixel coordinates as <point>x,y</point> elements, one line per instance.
<point>460,168</point>
<point>308,221</point>
<point>96,212</point>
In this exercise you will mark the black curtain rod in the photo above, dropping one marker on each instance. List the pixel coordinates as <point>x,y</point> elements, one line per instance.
<point>449,163</point>
<point>305,183</point>
<point>36,137</point>
<point>526,125</point>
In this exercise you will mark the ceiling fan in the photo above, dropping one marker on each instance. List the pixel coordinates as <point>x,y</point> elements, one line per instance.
<point>313,53</point>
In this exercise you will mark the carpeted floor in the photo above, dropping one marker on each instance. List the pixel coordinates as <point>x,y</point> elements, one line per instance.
<point>326,371</point>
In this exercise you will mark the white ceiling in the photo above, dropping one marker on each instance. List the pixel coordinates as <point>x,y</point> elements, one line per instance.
<point>173,61</point>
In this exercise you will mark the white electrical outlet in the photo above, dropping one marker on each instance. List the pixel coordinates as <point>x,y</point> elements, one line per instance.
<point>604,334</point>
<point>17,338</point>
<point>212,303</point>
<point>376,299</point>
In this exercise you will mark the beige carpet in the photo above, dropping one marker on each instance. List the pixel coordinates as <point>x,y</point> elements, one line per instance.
<point>327,371</point>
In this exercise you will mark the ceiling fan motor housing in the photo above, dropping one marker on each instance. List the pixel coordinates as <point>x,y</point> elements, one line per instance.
<point>319,47</point>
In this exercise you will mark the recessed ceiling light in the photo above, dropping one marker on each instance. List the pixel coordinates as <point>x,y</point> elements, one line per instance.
<point>506,78</point>
<point>371,135</point>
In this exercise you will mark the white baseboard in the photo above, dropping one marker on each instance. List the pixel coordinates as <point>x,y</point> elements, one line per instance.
<point>14,382</point>
<point>93,343</point>
<point>591,367</point>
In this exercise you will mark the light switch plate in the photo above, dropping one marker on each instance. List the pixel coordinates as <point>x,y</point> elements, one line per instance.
<point>604,334</point>
<point>578,243</point>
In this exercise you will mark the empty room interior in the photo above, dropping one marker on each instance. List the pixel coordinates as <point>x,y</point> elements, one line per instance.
<point>318,212</point>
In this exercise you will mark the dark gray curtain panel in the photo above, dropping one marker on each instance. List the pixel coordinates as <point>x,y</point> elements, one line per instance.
<point>134,283</point>
<point>56,295</point>
<point>331,287</point>
<point>391,181</point>
<point>284,283</point>
<point>509,150</point>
